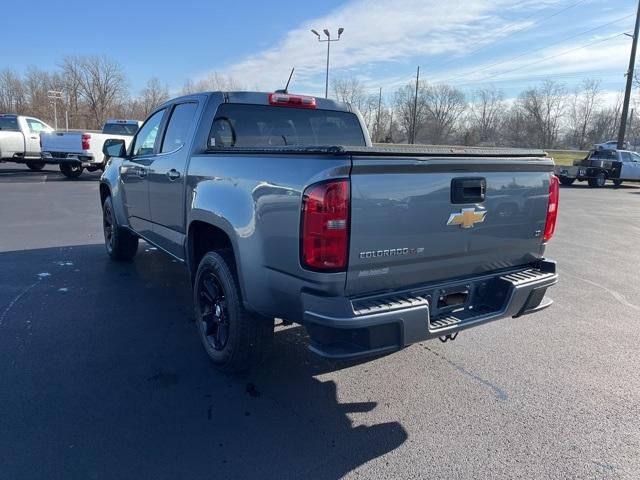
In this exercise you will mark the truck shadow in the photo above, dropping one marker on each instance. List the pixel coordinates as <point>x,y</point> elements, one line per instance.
<point>104,377</point>
<point>48,174</point>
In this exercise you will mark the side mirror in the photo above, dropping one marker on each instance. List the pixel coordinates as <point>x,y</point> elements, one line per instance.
<point>114,147</point>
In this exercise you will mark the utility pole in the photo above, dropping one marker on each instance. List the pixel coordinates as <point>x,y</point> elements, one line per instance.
<point>415,109</point>
<point>627,91</point>
<point>630,127</point>
<point>328,40</point>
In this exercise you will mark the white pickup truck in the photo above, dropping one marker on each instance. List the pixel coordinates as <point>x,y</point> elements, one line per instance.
<point>74,151</point>
<point>20,140</point>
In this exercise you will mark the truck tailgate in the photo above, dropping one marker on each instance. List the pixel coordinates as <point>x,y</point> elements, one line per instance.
<point>408,228</point>
<point>69,142</point>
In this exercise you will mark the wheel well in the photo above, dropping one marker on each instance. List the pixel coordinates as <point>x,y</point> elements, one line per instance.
<point>104,193</point>
<point>202,238</point>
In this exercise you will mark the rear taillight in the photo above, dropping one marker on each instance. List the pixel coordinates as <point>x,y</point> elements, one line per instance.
<point>552,209</point>
<point>86,141</point>
<point>324,232</point>
<point>297,101</point>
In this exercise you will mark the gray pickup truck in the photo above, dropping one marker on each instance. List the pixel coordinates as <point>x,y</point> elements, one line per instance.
<point>279,207</point>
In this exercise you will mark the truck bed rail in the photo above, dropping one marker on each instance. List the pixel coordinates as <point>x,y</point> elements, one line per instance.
<point>399,151</point>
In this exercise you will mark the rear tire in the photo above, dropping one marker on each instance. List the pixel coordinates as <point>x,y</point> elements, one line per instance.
<point>35,166</point>
<point>617,183</point>
<point>71,170</point>
<point>566,181</point>
<point>598,181</point>
<point>234,339</point>
<point>120,243</point>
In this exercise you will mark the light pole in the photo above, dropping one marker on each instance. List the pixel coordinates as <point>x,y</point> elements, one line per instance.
<point>56,95</point>
<point>328,40</point>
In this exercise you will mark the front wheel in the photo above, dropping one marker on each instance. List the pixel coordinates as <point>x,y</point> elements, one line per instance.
<point>234,339</point>
<point>35,166</point>
<point>120,243</point>
<point>71,170</point>
<point>598,181</point>
<point>566,181</point>
<point>617,183</point>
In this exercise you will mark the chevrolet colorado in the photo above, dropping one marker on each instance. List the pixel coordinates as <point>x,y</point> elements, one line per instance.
<point>279,207</point>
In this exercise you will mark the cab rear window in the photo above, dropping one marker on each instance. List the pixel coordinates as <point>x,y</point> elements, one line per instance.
<point>8,123</point>
<point>604,154</point>
<point>120,128</point>
<point>243,125</point>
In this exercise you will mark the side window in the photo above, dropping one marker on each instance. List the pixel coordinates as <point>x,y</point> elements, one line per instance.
<point>35,126</point>
<point>146,138</point>
<point>626,156</point>
<point>635,157</point>
<point>181,120</point>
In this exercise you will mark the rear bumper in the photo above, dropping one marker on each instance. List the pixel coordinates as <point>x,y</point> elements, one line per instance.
<point>351,328</point>
<point>72,158</point>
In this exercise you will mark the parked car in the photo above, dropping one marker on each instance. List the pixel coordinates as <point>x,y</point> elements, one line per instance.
<point>279,207</point>
<point>602,165</point>
<point>76,150</point>
<point>20,140</point>
<point>610,145</point>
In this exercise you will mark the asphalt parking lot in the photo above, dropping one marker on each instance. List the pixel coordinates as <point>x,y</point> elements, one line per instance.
<point>102,375</point>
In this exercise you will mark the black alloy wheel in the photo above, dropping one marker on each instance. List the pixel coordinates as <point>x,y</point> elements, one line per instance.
<point>214,314</point>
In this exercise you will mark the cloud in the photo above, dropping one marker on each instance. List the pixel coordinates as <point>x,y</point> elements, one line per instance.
<point>603,54</point>
<point>382,34</point>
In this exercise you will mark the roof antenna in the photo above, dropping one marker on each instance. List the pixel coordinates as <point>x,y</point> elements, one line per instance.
<point>286,88</point>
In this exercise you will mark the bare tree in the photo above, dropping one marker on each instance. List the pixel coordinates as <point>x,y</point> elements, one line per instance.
<point>37,84</point>
<point>12,95</point>
<point>584,104</point>
<point>101,84</point>
<point>544,108</point>
<point>406,108</point>
<point>486,113</point>
<point>212,82</point>
<point>606,122</point>
<point>444,105</point>
<point>153,94</point>
<point>349,90</point>
<point>71,75</point>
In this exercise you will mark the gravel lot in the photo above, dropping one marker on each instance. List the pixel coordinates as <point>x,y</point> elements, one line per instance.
<point>102,375</point>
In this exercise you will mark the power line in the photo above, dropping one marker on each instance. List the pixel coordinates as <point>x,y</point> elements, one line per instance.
<point>471,72</point>
<point>595,73</point>
<point>544,58</point>
<point>542,20</point>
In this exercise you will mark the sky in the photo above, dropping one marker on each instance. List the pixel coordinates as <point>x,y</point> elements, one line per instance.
<point>472,43</point>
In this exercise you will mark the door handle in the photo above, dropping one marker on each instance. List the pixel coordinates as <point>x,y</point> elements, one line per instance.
<point>468,190</point>
<point>173,174</point>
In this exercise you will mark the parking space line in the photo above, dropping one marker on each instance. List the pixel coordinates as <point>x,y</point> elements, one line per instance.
<point>618,296</point>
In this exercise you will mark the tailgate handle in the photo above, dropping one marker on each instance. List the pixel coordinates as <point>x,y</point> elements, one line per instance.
<point>468,190</point>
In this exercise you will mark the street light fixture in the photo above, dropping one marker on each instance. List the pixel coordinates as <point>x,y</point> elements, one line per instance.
<point>56,95</point>
<point>328,40</point>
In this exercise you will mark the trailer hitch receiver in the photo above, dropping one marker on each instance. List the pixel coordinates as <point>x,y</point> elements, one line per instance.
<point>448,336</point>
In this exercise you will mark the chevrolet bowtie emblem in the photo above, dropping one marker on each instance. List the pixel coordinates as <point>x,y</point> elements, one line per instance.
<point>467,217</point>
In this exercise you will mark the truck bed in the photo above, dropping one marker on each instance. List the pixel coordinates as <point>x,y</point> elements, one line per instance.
<point>401,204</point>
